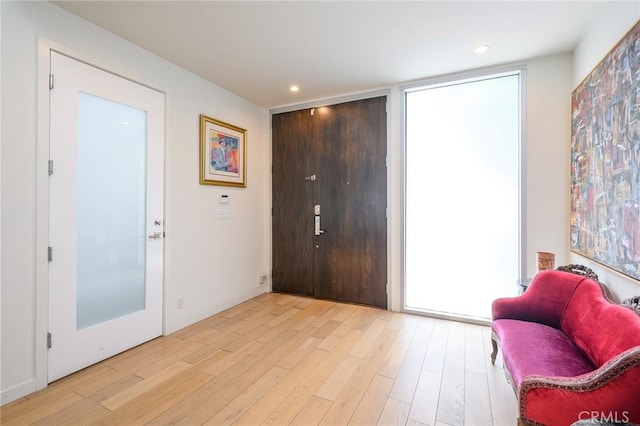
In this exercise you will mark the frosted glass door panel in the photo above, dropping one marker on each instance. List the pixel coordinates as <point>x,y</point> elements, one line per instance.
<point>111,210</point>
<point>462,202</point>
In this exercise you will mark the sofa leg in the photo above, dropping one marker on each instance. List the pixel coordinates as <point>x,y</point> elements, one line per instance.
<point>494,353</point>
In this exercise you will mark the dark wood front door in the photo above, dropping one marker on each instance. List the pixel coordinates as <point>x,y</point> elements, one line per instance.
<point>334,157</point>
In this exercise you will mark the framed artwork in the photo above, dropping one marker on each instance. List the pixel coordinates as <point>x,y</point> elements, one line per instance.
<point>223,153</point>
<point>605,160</point>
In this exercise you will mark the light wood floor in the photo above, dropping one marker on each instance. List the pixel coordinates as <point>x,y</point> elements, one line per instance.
<point>280,359</point>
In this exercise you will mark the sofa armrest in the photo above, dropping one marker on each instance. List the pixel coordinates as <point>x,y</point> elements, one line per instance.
<point>544,301</point>
<point>612,392</point>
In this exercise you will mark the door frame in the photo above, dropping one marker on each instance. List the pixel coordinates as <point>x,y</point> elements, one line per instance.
<point>41,326</point>
<point>388,93</point>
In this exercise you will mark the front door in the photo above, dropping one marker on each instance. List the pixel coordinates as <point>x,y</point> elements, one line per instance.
<point>106,215</point>
<point>329,202</point>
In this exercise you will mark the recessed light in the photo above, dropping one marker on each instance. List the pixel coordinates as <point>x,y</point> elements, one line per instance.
<point>481,49</point>
<point>294,88</point>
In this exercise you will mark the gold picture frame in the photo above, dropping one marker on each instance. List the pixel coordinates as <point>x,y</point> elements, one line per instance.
<point>223,153</point>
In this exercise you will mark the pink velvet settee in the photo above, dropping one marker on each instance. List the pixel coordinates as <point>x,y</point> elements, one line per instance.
<point>569,352</point>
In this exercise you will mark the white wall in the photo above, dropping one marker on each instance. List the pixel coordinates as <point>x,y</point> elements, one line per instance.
<point>597,42</point>
<point>211,264</point>
<point>547,158</point>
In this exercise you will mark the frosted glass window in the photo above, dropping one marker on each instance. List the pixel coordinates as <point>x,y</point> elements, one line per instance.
<point>462,196</point>
<point>111,200</point>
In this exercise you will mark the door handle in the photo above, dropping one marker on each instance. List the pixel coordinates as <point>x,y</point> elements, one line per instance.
<point>317,230</point>
<point>155,236</point>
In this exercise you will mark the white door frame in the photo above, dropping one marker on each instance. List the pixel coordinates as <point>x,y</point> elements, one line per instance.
<point>41,325</point>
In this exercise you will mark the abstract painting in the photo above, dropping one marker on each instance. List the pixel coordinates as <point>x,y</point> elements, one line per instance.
<point>605,160</point>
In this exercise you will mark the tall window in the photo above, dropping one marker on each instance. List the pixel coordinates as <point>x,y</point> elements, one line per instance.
<point>462,195</point>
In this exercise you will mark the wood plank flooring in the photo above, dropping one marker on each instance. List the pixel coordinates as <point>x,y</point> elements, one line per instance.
<point>280,359</point>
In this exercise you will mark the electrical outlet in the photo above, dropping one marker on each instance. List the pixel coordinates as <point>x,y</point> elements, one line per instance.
<point>262,279</point>
<point>180,303</point>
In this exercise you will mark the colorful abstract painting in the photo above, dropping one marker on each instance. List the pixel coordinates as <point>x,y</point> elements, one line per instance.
<point>223,153</point>
<point>605,160</point>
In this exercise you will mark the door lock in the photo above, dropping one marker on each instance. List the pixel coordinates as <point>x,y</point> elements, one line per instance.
<point>155,236</point>
<point>317,230</point>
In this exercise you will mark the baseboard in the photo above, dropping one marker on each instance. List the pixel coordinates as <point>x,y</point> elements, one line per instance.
<point>220,307</point>
<point>18,391</point>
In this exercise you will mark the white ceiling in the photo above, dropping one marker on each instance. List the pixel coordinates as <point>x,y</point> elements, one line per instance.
<point>332,48</point>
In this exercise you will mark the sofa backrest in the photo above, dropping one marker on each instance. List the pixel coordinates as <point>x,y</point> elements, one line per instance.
<point>549,294</point>
<point>600,328</point>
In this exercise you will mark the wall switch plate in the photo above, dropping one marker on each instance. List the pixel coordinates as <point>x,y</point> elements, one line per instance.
<point>224,213</point>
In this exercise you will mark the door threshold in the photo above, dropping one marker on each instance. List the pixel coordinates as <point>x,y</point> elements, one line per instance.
<point>384,308</point>
<point>449,316</point>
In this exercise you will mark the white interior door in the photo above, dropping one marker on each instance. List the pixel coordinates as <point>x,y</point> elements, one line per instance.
<point>106,215</point>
